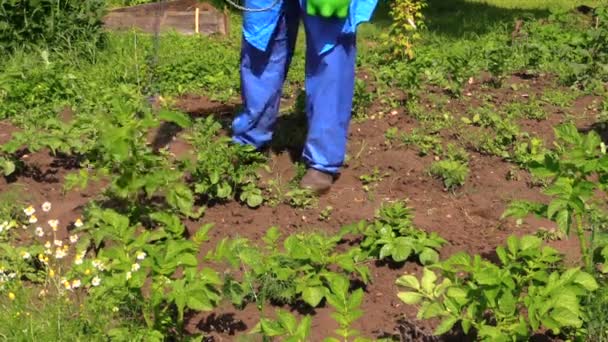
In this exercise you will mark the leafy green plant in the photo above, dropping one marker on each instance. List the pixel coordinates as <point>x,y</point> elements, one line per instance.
<point>347,308</point>
<point>425,143</point>
<point>403,33</point>
<point>393,235</point>
<point>285,326</point>
<point>371,180</point>
<point>527,292</point>
<point>301,198</point>
<point>453,172</point>
<point>50,23</point>
<point>301,271</point>
<point>223,169</point>
<point>128,257</point>
<point>569,169</point>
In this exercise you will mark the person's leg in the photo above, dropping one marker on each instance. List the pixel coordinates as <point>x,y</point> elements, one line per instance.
<point>262,76</point>
<point>330,81</point>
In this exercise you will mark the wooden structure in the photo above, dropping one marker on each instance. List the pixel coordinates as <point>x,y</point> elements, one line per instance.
<point>183,16</point>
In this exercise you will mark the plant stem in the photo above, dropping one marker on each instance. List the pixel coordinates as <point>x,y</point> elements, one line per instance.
<point>583,243</point>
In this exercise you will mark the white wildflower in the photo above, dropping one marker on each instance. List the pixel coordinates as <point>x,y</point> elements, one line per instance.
<point>76,283</point>
<point>135,267</point>
<point>46,207</point>
<point>39,232</point>
<point>141,256</point>
<point>33,219</point>
<point>26,255</point>
<point>96,281</point>
<point>73,238</point>
<point>58,243</point>
<point>60,254</point>
<point>29,211</point>
<point>78,223</point>
<point>128,275</point>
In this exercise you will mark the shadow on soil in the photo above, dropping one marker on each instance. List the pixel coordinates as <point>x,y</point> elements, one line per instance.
<point>224,323</point>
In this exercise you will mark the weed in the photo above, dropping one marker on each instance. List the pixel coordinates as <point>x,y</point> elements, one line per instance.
<point>452,172</point>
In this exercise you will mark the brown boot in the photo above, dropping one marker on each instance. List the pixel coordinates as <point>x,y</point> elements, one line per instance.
<point>317,181</point>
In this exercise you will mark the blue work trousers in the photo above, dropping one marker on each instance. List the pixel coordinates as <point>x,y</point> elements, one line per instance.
<point>329,83</point>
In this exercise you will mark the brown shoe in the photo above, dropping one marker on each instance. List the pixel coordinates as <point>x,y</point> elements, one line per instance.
<point>317,181</point>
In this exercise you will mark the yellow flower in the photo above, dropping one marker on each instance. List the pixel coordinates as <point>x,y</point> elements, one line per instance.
<point>29,211</point>
<point>67,285</point>
<point>51,273</point>
<point>76,283</point>
<point>87,271</point>
<point>11,296</point>
<point>46,207</point>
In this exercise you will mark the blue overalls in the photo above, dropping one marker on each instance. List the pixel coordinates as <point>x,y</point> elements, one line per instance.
<point>269,39</point>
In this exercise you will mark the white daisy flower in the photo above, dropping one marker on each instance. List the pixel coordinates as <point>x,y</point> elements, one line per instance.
<point>78,223</point>
<point>39,232</point>
<point>33,219</point>
<point>96,281</point>
<point>76,283</point>
<point>141,256</point>
<point>25,255</point>
<point>54,224</point>
<point>46,207</point>
<point>60,254</point>
<point>128,275</point>
<point>135,267</point>
<point>58,243</point>
<point>73,238</point>
<point>29,211</point>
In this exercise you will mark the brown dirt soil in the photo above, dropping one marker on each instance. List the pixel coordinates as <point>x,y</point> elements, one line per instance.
<point>469,219</point>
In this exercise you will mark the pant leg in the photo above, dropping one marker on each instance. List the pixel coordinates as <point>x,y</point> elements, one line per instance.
<point>262,76</point>
<point>330,80</point>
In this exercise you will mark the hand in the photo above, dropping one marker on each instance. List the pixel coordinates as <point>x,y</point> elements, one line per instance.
<point>328,8</point>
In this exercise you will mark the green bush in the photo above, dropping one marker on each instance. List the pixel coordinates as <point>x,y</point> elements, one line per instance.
<point>50,23</point>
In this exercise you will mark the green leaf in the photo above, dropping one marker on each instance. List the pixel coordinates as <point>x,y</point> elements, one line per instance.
<point>530,242</point>
<point>8,167</point>
<point>458,294</point>
<point>507,303</point>
<point>446,325</point>
<point>313,295</point>
<point>513,244</point>
<point>402,249</point>
<point>177,118</point>
<point>566,317</point>
<point>586,280</point>
<point>411,298</point>
<point>408,281</point>
<point>428,256</point>
<point>386,251</point>
<point>563,221</point>
<point>428,280</point>
<point>287,320</point>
